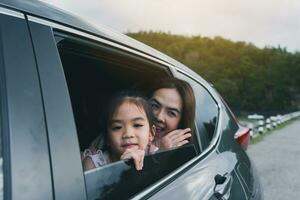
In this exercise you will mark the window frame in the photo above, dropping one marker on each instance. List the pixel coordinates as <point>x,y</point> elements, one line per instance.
<point>114,60</point>
<point>23,126</point>
<point>170,75</point>
<point>66,169</point>
<point>180,74</point>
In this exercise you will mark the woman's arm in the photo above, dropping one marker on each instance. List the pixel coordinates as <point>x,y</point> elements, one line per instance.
<point>174,138</point>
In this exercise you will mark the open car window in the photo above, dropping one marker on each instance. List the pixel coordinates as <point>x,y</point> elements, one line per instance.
<point>207,112</point>
<point>94,72</point>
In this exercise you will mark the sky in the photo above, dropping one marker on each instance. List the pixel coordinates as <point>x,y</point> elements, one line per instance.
<point>261,22</point>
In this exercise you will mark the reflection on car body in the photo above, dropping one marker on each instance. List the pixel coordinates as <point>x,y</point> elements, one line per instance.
<point>57,73</point>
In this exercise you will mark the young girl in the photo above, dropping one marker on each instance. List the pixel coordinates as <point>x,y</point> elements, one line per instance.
<point>130,131</point>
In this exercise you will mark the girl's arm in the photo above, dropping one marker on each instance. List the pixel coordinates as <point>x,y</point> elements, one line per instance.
<point>137,155</point>
<point>88,164</point>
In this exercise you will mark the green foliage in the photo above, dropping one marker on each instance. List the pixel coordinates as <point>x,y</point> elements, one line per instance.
<point>249,78</point>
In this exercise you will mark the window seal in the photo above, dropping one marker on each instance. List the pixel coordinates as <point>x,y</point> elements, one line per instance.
<point>219,105</point>
<point>11,12</point>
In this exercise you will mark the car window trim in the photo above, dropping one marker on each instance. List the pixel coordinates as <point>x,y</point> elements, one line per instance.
<point>136,60</point>
<point>98,39</point>
<point>35,128</point>
<point>5,137</point>
<point>46,56</point>
<point>219,105</point>
<point>10,12</point>
<point>203,84</point>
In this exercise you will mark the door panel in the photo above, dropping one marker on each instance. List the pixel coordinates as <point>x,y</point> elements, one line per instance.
<point>244,169</point>
<point>67,170</point>
<point>27,171</point>
<point>199,181</point>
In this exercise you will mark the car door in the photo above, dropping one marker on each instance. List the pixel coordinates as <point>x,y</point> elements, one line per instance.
<point>212,175</point>
<point>26,162</point>
<point>245,169</point>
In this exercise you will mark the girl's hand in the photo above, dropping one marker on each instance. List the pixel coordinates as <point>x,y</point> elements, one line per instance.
<point>137,155</point>
<point>175,138</point>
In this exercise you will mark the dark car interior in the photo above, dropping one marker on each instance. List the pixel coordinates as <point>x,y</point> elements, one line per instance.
<point>93,77</point>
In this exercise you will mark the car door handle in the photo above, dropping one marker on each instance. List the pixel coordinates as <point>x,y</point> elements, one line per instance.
<point>222,186</point>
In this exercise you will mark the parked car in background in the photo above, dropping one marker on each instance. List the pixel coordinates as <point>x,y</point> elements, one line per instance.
<point>57,74</point>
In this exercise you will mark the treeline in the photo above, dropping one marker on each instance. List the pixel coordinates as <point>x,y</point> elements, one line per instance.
<point>249,78</point>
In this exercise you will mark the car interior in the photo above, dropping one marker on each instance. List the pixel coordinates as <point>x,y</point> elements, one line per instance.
<point>93,77</point>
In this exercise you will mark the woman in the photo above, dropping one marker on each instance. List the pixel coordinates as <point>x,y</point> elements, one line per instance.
<point>173,105</point>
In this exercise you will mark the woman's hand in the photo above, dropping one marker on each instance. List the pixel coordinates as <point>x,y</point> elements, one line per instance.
<point>137,155</point>
<point>175,138</point>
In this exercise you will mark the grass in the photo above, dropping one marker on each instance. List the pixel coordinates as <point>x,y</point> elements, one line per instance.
<point>260,137</point>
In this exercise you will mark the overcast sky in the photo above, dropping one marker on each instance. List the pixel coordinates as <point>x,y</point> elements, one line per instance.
<point>262,22</point>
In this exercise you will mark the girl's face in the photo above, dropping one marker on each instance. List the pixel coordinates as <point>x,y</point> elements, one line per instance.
<point>166,105</point>
<point>129,129</point>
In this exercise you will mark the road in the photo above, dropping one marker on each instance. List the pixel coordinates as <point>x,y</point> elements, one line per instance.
<point>277,158</point>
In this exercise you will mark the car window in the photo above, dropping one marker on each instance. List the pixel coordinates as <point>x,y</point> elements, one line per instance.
<point>94,73</point>
<point>206,112</point>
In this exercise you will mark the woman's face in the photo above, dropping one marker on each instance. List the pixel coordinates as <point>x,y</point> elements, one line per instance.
<point>129,129</point>
<point>166,105</point>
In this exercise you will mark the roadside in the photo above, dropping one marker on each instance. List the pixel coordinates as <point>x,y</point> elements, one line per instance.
<point>260,137</point>
<point>277,159</point>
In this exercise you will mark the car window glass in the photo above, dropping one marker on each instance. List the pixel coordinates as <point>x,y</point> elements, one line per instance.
<point>206,112</point>
<point>94,73</point>
<point>120,180</point>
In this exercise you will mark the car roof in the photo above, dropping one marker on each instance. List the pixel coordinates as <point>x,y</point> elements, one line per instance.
<point>51,13</point>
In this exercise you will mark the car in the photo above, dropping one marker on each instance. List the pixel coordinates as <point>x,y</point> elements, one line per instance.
<point>57,73</point>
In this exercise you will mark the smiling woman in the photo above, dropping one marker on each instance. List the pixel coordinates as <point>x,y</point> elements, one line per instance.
<point>173,105</point>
